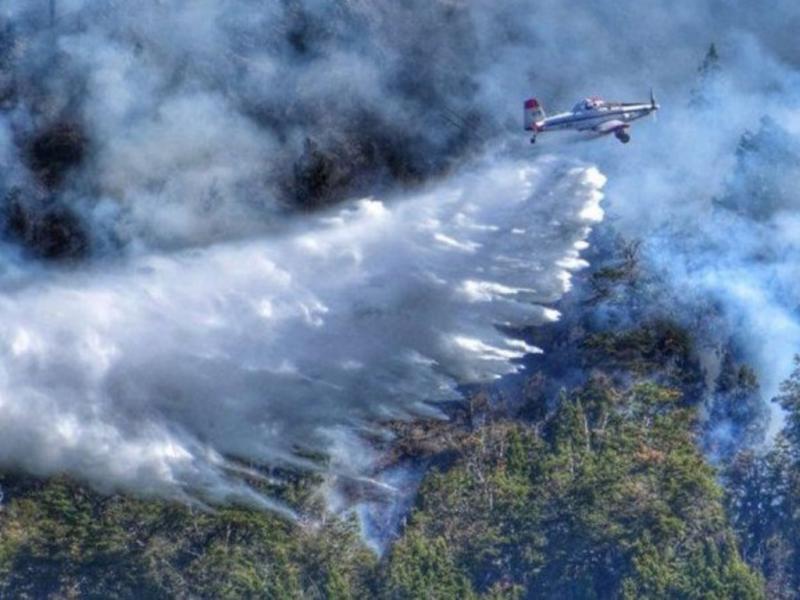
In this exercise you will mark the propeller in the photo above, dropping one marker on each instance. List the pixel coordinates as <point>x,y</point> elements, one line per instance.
<point>654,105</point>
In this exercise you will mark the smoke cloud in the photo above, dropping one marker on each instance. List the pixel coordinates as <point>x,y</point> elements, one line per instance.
<point>154,374</point>
<point>182,294</point>
<point>716,199</point>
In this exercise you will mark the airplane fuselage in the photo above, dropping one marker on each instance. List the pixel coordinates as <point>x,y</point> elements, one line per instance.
<point>592,118</point>
<point>592,114</point>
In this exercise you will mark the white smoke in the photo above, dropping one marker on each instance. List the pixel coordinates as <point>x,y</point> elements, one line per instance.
<point>741,254</point>
<point>152,374</point>
<point>208,325</point>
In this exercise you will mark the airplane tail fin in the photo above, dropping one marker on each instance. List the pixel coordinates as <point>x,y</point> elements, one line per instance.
<point>533,113</point>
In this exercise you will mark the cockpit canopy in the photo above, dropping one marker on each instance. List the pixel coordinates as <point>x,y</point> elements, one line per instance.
<point>591,103</point>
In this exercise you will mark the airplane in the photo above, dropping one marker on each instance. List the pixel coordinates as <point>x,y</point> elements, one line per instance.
<point>592,114</point>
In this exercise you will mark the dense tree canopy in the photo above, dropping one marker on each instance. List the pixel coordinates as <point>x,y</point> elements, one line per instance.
<point>600,491</point>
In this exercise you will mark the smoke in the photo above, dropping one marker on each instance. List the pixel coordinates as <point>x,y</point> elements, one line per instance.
<point>711,187</point>
<point>716,199</point>
<point>216,309</point>
<point>153,374</point>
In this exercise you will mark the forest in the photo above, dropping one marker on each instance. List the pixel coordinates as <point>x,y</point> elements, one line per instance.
<point>603,489</point>
<point>638,456</point>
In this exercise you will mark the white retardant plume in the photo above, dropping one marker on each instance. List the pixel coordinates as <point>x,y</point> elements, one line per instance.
<point>149,375</point>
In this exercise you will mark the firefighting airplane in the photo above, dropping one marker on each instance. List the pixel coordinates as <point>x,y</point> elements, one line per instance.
<point>591,115</point>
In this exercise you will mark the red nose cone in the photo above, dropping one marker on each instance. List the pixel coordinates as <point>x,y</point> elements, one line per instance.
<point>532,103</point>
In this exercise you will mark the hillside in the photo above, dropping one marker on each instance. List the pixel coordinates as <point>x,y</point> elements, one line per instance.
<point>598,491</point>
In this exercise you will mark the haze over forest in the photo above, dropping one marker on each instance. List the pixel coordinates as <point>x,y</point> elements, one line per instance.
<point>292,270</point>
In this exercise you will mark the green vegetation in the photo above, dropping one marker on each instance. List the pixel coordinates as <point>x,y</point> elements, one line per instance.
<point>763,494</point>
<point>599,491</point>
<point>611,500</point>
<point>57,540</point>
<point>654,347</point>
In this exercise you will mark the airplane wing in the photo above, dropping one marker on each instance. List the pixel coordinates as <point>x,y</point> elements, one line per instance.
<point>611,126</point>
